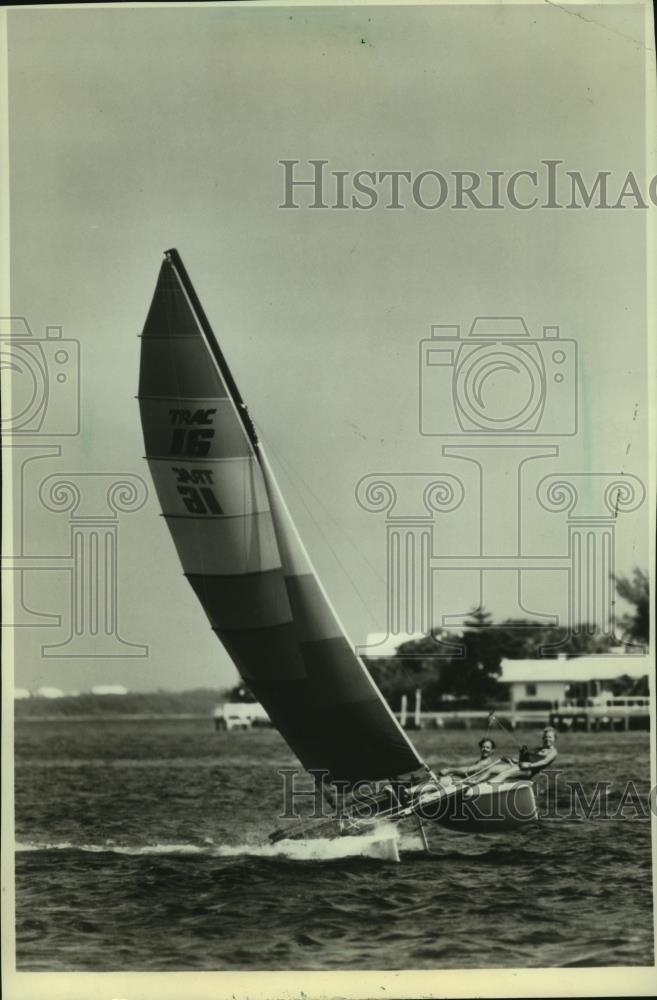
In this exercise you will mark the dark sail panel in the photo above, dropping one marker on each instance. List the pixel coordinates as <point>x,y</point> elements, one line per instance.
<point>242,556</point>
<point>245,602</point>
<point>170,314</point>
<point>177,368</point>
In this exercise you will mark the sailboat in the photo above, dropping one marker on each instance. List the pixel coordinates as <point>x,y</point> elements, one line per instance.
<point>245,561</point>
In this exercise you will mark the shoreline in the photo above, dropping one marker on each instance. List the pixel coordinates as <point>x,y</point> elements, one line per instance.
<point>112,717</point>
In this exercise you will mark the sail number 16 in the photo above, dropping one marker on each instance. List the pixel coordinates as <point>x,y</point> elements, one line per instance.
<point>197,493</point>
<point>195,442</point>
<point>199,500</point>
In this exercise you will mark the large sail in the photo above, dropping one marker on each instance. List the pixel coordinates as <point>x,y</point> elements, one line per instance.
<point>242,555</point>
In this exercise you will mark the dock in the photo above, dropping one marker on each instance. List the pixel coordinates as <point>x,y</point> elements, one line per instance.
<point>617,715</point>
<point>608,715</point>
<point>473,719</point>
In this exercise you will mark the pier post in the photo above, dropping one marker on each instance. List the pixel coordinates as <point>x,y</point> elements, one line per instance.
<point>418,708</point>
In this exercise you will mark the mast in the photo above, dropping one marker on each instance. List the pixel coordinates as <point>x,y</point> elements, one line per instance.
<point>175,260</point>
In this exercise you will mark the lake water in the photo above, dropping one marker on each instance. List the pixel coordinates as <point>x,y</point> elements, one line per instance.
<point>142,845</point>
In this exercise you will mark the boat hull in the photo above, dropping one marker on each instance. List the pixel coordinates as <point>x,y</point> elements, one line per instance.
<point>486,808</point>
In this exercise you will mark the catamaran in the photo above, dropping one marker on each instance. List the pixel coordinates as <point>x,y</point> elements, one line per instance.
<point>246,562</point>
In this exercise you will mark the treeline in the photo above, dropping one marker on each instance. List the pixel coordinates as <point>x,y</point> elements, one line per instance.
<point>467,668</point>
<point>445,668</point>
<point>200,701</point>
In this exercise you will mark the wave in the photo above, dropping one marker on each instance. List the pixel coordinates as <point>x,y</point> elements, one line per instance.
<point>382,846</point>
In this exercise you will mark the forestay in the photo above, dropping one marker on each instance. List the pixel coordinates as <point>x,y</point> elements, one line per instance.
<point>242,555</point>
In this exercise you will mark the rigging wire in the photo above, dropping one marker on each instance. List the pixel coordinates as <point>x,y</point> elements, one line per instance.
<point>293,473</point>
<point>290,473</point>
<point>493,718</point>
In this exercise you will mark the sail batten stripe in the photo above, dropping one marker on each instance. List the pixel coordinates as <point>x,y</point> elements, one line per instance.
<point>231,576</point>
<point>167,336</point>
<point>235,631</point>
<point>210,517</point>
<point>175,399</point>
<point>217,460</point>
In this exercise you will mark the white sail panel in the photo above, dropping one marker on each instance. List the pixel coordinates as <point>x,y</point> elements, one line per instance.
<point>222,486</point>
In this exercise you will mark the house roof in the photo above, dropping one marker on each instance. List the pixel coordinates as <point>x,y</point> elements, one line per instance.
<point>580,668</point>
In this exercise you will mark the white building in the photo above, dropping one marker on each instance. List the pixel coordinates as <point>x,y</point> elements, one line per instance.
<point>556,681</point>
<point>21,693</point>
<point>109,689</point>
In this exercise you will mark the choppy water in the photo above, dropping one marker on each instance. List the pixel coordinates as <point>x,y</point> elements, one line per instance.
<point>143,846</point>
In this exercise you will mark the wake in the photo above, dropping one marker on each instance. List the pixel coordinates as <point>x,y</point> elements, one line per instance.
<point>383,846</point>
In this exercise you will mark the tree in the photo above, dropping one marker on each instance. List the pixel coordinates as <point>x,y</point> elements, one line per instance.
<point>522,640</point>
<point>476,673</point>
<point>626,685</point>
<point>636,591</point>
<point>468,666</point>
<point>241,693</point>
<point>464,667</point>
<point>417,663</point>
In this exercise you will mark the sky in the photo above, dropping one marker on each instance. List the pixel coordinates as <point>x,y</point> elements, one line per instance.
<point>134,130</point>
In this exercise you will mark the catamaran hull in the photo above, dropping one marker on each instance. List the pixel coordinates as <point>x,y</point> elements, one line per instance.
<point>486,808</point>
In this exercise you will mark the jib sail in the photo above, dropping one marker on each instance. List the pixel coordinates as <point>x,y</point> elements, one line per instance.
<point>242,555</point>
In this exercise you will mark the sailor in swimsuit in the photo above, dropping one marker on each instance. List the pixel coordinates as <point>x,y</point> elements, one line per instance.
<point>486,747</point>
<point>529,762</point>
